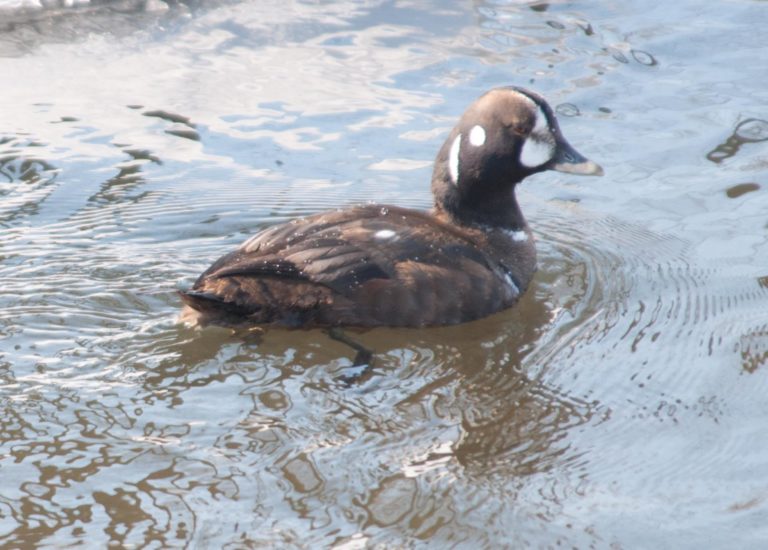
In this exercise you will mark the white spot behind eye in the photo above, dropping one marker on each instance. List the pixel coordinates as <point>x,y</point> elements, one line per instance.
<point>384,234</point>
<point>453,159</point>
<point>477,136</point>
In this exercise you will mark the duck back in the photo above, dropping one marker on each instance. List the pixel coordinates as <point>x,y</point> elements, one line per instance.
<point>366,266</point>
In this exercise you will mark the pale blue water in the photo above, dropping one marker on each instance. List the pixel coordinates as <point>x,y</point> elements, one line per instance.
<point>622,404</point>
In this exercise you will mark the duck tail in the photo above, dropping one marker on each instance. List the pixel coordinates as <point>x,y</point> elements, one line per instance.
<point>206,302</point>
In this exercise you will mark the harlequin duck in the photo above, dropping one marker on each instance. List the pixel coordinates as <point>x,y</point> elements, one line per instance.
<point>472,255</point>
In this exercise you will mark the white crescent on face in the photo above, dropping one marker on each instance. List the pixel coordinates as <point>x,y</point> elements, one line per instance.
<point>539,146</point>
<point>453,159</point>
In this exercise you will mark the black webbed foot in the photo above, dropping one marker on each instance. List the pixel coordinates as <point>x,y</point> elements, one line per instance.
<point>363,357</point>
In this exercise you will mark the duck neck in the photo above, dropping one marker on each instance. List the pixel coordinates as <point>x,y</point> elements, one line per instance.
<point>496,207</point>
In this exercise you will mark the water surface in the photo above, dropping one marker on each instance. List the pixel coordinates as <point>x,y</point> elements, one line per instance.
<point>622,404</point>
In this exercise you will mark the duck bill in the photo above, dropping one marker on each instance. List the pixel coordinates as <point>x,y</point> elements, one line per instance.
<point>569,160</point>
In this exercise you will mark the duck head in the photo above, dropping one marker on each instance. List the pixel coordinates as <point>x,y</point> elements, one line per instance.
<point>505,136</point>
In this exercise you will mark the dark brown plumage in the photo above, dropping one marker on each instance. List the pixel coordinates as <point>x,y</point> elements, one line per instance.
<point>377,265</point>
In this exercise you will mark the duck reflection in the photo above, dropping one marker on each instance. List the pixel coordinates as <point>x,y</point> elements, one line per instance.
<point>517,425</point>
<point>128,176</point>
<point>511,419</point>
<point>26,179</point>
<point>18,162</point>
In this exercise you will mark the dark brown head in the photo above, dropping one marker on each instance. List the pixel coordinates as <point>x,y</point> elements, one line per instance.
<point>505,136</point>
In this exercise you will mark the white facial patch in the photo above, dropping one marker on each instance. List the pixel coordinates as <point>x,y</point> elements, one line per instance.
<point>453,159</point>
<point>539,146</point>
<point>477,136</point>
<point>384,234</point>
<point>536,152</point>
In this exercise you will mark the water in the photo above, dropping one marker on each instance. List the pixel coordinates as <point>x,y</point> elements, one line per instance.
<point>622,404</point>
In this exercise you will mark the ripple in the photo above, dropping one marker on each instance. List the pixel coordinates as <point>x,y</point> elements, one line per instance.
<point>625,384</point>
<point>567,109</point>
<point>751,130</point>
<point>667,302</point>
<point>644,58</point>
<point>617,54</point>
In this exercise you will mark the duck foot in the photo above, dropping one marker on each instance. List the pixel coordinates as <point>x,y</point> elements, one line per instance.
<point>363,357</point>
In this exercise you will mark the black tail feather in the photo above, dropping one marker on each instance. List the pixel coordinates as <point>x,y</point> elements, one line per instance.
<point>205,302</point>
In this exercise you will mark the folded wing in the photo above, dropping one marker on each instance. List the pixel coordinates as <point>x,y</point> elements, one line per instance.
<point>361,266</point>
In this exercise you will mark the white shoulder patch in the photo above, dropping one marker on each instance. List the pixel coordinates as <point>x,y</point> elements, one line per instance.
<point>252,244</point>
<point>384,234</point>
<point>453,159</point>
<point>518,235</point>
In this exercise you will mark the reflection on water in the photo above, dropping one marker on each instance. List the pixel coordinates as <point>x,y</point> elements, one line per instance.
<point>25,25</point>
<point>619,403</point>
<point>522,439</point>
<point>751,130</point>
<point>754,351</point>
<point>740,189</point>
<point>25,178</point>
